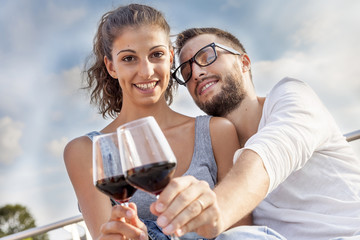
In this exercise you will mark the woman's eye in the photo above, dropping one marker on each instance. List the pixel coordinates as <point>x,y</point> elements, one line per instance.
<point>128,58</point>
<point>158,54</point>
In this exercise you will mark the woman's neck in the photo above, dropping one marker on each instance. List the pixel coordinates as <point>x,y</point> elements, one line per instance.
<point>162,113</point>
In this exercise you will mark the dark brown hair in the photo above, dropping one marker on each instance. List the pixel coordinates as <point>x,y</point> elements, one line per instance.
<point>105,91</point>
<point>190,33</point>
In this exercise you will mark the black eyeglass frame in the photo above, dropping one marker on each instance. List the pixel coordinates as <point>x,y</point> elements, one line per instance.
<point>193,59</point>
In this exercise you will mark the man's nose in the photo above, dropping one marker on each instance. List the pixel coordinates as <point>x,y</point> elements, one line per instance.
<point>197,71</point>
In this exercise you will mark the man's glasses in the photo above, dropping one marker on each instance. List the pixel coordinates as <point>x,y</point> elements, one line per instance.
<point>204,57</point>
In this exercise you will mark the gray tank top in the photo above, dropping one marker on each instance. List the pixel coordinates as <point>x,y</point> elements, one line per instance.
<point>202,166</point>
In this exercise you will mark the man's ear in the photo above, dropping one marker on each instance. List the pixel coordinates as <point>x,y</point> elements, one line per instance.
<point>246,62</point>
<point>110,67</point>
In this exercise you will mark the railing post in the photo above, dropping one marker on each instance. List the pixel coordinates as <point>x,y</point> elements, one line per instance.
<point>87,233</point>
<point>73,230</point>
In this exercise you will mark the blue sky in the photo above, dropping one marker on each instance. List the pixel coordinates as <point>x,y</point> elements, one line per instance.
<point>44,43</point>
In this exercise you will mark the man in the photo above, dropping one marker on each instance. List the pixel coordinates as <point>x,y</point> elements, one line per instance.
<point>295,172</point>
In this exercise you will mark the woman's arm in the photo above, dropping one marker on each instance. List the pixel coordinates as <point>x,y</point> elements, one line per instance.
<point>95,206</point>
<point>101,219</point>
<point>225,142</point>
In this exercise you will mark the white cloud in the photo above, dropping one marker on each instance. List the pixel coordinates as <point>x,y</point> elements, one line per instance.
<point>330,79</point>
<point>56,146</point>
<point>10,134</point>
<point>71,80</point>
<point>67,16</point>
<point>230,4</point>
<point>325,54</point>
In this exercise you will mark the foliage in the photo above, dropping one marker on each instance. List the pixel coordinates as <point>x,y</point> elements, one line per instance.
<point>16,218</point>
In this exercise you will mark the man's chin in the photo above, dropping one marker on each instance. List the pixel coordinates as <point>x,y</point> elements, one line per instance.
<point>207,107</point>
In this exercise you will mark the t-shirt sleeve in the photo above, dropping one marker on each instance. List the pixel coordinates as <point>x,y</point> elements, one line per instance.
<point>293,127</point>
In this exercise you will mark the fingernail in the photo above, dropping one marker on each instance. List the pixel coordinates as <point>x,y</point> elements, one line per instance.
<point>179,232</point>
<point>159,207</point>
<point>143,236</point>
<point>162,221</point>
<point>169,229</point>
<point>129,213</point>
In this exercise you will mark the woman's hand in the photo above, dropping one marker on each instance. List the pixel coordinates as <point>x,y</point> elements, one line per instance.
<point>188,205</point>
<point>124,223</point>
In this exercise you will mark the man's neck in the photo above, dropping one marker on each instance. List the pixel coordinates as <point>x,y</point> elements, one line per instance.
<point>246,117</point>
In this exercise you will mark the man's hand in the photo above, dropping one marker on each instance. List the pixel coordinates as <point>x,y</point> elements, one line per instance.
<point>188,205</point>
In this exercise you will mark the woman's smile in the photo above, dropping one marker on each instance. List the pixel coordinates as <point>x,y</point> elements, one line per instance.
<point>146,86</point>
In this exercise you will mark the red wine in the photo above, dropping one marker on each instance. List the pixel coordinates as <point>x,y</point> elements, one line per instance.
<point>116,187</point>
<point>151,177</point>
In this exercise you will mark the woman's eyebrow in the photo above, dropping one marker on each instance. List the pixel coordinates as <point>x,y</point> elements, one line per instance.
<point>132,51</point>
<point>157,47</point>
<point>125,50</point>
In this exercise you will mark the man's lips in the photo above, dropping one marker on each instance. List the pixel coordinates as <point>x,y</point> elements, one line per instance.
<point>206,85</point>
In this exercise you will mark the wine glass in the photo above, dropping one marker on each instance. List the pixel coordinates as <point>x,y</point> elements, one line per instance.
<point>147,158</point>
<point>108,174</point>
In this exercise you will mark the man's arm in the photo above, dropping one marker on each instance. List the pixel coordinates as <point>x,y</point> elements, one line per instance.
<point>243,188</point>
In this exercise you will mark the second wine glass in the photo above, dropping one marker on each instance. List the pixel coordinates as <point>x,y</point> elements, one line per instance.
<point>148,160</point>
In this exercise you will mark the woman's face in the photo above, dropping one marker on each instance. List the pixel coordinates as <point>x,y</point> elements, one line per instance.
<point>141,61</point>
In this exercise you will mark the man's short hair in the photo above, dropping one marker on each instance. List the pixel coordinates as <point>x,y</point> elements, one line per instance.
<point>190,33</point>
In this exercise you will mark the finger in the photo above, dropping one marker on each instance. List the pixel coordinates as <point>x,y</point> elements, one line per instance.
<point>175,186</point>
<point>185,201</point>
<point>187,205</point>
<point>134,218</point>
<point>207,217</point>
<point>121,229</point>
<point>125,221</point>
<point>193,213</point>
<point>118,212</point>
<point>110,237</point>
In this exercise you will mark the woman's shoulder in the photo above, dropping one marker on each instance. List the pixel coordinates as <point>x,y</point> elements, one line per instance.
<point>221,124</point>
<point>77,149</point>
<point>80,141</point>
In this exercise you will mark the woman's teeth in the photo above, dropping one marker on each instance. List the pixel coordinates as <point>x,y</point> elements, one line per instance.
<point>145,86</point>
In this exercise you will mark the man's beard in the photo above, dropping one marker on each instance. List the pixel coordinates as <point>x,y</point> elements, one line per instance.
<point>227,100</point>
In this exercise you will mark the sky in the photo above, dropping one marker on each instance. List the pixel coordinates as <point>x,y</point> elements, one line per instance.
<point>44,44</point>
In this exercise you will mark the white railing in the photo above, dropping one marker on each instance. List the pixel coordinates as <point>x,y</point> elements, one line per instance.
<point>352,136</point>
<point>70,224</point>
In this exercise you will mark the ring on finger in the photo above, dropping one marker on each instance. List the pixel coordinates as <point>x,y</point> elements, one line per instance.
<point>201,204</point>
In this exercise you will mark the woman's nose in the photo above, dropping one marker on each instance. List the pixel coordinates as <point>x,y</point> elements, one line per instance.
<point>146,69</point>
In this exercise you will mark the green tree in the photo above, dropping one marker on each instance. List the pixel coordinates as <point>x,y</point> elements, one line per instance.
<point>16,218</point>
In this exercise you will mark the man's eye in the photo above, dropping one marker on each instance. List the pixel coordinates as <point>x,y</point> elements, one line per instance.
<point>186,70</point>
<point>128,58</point>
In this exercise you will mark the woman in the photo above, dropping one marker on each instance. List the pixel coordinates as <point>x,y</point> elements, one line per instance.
<point>130,79</point>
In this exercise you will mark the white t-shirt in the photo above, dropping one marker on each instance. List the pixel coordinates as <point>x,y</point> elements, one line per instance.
<point>314,174</point>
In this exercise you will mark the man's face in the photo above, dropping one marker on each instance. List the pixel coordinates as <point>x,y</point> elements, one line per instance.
<point>217,89</point>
